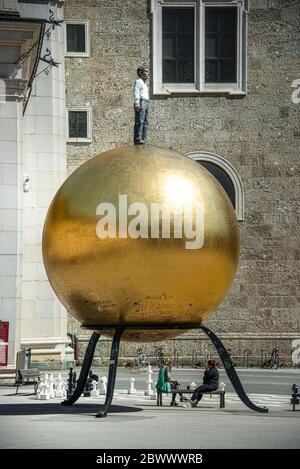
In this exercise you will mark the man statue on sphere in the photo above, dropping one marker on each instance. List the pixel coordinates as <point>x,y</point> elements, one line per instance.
<point>141,104</point>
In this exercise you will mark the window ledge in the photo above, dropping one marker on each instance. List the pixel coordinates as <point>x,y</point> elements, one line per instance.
<point>195,91</point>
<point>79,140</point>
<point>77,54</point>
<point>231,92</point>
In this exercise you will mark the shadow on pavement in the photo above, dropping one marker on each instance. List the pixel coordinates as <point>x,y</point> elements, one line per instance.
<point>53,408</point>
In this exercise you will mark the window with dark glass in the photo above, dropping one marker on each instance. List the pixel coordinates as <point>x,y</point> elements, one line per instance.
<point>178,45</point>
<point>220,45</point>
<point>75,37</point>
<point>78,124</point>
<point>222,177</point>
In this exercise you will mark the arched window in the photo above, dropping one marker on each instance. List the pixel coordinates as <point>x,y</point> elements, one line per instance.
<point>226,175</point>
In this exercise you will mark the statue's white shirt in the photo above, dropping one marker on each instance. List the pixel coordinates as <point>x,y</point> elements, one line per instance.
<point>140,91</point>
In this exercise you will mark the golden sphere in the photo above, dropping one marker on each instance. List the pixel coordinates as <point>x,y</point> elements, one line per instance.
<point>141,235</point>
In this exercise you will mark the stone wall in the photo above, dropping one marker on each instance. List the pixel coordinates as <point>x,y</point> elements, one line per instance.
<point>258,134</point>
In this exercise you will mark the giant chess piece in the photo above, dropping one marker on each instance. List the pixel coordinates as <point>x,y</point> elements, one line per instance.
<point>71,383</point>
<point>59,386</point>
<point>89,384</point>
<point>149,382</point>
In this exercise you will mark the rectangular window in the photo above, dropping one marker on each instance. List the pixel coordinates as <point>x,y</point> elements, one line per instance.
<point>199,46</point>
<point>220,45</point>
<point>77,38</point>
<point>178,45</point>
<point>79,125</point>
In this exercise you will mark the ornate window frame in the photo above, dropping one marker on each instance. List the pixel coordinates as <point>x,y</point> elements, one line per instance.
<point>199,86</point>
<point>232,173</point>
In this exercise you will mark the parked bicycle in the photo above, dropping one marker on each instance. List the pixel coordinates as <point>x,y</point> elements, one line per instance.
<point>128,364</point>
<point>273,362</point>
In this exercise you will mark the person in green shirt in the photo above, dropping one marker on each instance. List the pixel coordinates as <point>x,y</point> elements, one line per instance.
<point>166,384</point>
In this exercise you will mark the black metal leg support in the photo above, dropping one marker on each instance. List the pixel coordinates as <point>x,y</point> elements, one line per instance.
<point>231,372</point>
<point>113,364</point>
<point>87,362</point>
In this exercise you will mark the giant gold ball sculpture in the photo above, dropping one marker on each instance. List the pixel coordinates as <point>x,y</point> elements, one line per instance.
<point>141,235</point>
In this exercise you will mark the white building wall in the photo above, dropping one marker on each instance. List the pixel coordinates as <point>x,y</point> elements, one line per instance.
<point>11,215</point>
<point>33,166</point>
<point>44,321</point>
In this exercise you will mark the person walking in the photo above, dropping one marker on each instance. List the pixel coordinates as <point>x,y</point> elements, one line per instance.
<point>141,105</point>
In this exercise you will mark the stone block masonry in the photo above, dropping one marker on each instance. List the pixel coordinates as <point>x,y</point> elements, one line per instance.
<point>258,134</point>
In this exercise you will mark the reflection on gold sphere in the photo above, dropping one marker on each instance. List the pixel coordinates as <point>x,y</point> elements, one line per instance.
<point>114,256</point>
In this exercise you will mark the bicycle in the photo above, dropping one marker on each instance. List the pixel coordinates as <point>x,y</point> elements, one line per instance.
<point>273,362</point>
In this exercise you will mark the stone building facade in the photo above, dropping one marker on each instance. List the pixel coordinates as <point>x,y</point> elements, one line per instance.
<point>249,129</point>
<point>235,110</point>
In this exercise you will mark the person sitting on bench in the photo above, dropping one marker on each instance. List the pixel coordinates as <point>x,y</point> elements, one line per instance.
<point>166,384</point>
<point>210,383</point>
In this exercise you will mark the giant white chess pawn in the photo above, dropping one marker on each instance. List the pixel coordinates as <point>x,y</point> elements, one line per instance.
<point>222,387</point>
<point>103,385</point>
<point>59,387</point>
<point>149,391</point>
<point>44,393</point>
<point>193,386</point>
<point>95,390</point>
<point>131,389</point>
<point>51,386</point>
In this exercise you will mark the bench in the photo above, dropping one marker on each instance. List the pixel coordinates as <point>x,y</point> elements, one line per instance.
<point>190,391</point>
<point>31,376</point>
<point>295,396</point>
